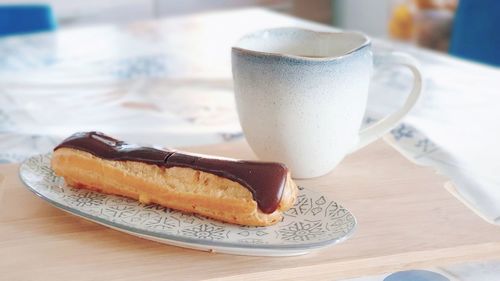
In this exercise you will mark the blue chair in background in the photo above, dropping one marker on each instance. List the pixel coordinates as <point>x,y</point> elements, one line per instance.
<point>476,31</point>
<point>22,19</point>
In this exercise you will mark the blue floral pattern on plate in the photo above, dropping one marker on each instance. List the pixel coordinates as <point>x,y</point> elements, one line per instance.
<point>314,221</point>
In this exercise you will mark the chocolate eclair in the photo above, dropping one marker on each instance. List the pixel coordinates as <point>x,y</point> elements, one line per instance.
<point>241,192</point>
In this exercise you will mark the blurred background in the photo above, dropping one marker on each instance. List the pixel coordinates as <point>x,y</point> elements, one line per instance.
<point>380,18</point>
<point>426,23</point>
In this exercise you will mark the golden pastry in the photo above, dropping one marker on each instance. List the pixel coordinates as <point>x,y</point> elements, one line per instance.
<point>241,192</point>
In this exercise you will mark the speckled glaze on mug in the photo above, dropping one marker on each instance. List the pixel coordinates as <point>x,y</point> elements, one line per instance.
<point>301,95</point>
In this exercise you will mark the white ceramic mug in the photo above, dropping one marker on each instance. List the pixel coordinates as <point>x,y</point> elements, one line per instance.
<point>301,95</point>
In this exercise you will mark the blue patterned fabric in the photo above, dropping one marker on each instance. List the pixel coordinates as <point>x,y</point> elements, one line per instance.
<point>21,19</point>
<point>475,31</point>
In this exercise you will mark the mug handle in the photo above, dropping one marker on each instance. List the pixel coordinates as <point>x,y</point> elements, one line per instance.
<point>377,130</point>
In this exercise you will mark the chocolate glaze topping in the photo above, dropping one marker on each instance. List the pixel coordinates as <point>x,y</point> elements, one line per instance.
<point>266,180</point>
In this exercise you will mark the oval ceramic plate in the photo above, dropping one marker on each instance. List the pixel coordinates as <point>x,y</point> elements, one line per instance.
<point>314,221</point>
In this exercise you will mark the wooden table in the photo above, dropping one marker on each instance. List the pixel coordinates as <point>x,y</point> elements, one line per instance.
<point>406,220</point>
<point>169,82</point>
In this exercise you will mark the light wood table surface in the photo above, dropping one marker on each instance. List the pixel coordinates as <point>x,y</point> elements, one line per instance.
<point>406,220</point>
<point>156,76</point>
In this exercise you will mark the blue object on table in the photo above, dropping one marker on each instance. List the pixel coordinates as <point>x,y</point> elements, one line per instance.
<point>21,19</point>
<point>476,33</point>
<point>416,275</point>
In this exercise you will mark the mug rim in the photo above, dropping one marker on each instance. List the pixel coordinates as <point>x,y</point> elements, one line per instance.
<point>367,42</point>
